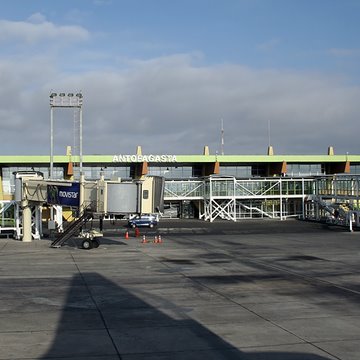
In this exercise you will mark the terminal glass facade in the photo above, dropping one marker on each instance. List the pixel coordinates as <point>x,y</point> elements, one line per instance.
<point>304,169</point>
<point>109,172</point>
<point>355,169</point>
<point>171,172</point>
<point>8,176</point>
<point>237,171</point>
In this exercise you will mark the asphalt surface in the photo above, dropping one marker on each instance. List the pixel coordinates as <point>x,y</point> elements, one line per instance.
<point>274,290</point>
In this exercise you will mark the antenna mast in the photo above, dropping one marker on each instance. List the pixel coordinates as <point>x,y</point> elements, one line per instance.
<point>222,137</point>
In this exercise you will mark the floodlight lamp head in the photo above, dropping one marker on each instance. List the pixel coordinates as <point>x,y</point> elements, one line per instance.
<point>52,95</point>
<point>62,94</point>
<point>70,94</point>
<point>79,95</point>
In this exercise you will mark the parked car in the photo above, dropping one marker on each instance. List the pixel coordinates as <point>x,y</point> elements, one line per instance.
<point>143,220</point>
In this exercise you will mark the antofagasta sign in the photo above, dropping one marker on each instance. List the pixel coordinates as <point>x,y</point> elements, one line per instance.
<point>146,158</point>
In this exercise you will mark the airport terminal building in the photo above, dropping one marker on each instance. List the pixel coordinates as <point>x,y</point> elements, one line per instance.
<point>203,186</point>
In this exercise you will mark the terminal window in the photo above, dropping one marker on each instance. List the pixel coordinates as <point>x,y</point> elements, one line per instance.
<point>258,170</point>
<point>8,176</point>
<point>109,172</point>
<point>304,169</point>
<point>171,172</point>
<point>355,169</point>
<point>237,171</point>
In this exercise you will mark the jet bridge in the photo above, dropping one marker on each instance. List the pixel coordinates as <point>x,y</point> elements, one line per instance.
<point>97,199</point>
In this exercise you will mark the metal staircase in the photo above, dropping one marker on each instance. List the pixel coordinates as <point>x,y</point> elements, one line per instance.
<point>255,209</point>
<point>73,229</point>
<point>334,210</point>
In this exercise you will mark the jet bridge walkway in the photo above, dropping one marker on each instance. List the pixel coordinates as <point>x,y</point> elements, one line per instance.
<point>98,198</point>
<point>229,198</point>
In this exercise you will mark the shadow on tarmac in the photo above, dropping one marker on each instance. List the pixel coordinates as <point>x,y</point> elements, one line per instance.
<point>112,323</point>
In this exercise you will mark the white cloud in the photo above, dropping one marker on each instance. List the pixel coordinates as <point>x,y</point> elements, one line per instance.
<point>37,18</point>
<point>36,29</point>
<point>168,105</point>
<point>102,2</point>
<point>343,52</point>
<point>268,45</point>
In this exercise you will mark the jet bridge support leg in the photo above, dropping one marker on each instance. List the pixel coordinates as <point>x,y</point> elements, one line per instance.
<point>36,220</point>
<point>26,222</point>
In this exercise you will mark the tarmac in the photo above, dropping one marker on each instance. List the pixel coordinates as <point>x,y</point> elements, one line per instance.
<point>255,289</point>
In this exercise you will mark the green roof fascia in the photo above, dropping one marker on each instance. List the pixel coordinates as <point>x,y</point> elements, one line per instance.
<point>315,158</point>
<point>266,158</point>
<point>97,158</point>
<point>26,159</point>
<point>179,159</point>
<point>45,159</point>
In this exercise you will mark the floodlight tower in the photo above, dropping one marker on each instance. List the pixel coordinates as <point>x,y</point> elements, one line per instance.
<point>63,100</point>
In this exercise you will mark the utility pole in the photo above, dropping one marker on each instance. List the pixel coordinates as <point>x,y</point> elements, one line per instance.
<point>222,137</point>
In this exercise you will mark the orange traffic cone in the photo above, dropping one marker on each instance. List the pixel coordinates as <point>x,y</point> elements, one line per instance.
<point>127,235</point>
<point>155,239</point>
<point>159,239</point>
<point>137,232</point>
<point>144,241</point>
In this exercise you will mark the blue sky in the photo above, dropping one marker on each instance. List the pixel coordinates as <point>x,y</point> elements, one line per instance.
<point>175,68</point>
<point>306,34</point>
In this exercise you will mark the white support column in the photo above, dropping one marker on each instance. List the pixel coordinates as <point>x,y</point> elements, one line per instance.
<point>51,142</point>
<point>350,216</point>
<point>211,200</point>
<point>201,209</point>
<point>303,198</point>
<point>82,194</point>
<point>17,221</point>
<point>234,198</point>
<point>58,217</point>
<point>281,199</point>
<point>37,222</point>
<point>51,175</point>
<point>40,221</point>
<point>81,142</point>
<point>26,222</point>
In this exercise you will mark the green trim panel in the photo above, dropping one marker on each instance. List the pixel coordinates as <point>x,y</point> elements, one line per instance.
<point>190,159</point>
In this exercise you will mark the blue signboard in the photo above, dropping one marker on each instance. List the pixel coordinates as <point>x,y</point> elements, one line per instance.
<point>64,195</point>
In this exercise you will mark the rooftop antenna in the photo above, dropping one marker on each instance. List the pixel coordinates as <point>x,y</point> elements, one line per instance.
<point>222,137</point>
<point>269,133</point>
